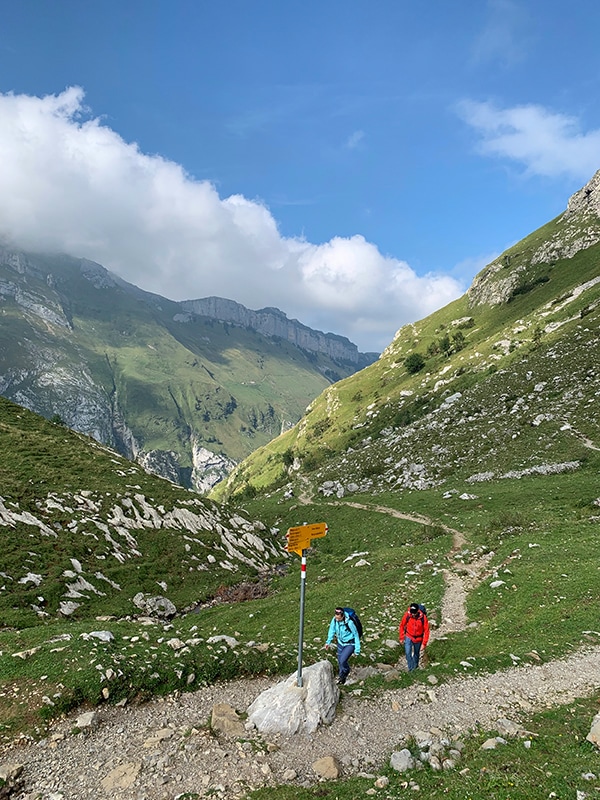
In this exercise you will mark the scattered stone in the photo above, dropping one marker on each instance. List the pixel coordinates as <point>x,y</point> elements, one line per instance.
<point>10,778</point>
<point>87,720</point>
<point>594,734</point>
<point>67,607</point>
<point>492,744</point>
<point>402,760</point>
<point>158,737</point>
<point>155,606</point>
<point>225,719</point>
<point>103,636</point>
<point>507,727</point>
<point>229,640</point>
<point>327,768</point>
<point>23,654</point>
<point>121,777</point>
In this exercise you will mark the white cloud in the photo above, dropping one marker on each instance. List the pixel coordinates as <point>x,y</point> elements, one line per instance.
<point>355,140</point>
<point>545,142</point>
<point>71,184</point>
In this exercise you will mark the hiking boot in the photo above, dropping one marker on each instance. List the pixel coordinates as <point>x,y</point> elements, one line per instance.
<point>341,681</point>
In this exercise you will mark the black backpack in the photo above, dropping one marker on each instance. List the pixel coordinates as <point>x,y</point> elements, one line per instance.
<point>355,619</point>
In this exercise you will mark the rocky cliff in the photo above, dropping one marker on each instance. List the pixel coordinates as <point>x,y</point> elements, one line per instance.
<point>273,322</point>
<point>578,228</point>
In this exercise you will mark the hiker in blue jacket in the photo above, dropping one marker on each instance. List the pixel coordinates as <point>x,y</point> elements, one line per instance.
<point>348,641</point>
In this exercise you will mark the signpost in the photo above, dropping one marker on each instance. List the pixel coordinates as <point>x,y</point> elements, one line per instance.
<point>298,541</point>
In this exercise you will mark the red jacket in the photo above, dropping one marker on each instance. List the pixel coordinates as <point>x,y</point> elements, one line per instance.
<point>416,628</point>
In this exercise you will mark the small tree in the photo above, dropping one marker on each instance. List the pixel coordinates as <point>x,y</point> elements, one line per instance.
<point>414,363</point>
<point>458,340</point>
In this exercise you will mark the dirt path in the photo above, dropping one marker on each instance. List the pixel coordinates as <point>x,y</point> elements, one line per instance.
<point>459,579</point>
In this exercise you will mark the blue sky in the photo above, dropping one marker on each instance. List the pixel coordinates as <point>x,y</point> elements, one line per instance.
<point>352,163</point>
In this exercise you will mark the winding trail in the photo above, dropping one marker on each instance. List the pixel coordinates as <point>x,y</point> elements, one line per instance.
<point>459,579</point>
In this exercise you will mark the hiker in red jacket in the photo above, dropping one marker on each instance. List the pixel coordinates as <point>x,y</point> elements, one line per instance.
<point>414,634</point>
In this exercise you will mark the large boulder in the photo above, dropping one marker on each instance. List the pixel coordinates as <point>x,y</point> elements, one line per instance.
<point>155,606</point>
<point>288,708</point>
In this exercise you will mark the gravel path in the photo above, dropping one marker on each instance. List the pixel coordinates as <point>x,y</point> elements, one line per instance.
<point>165,748</point>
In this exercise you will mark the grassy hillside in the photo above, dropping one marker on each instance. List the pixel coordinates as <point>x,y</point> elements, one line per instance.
<point>479,460</point>
<point>474,389</point>
<point>83,526</point>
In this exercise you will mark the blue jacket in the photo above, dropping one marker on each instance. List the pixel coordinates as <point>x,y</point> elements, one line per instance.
<point>345,632</point>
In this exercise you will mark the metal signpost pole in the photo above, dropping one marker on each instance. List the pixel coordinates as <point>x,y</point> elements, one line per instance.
<point>301,632</point>
<point>298,541</point>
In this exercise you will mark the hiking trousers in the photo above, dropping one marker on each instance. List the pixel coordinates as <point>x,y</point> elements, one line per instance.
<point>344,651</point>
<point>412,650</point>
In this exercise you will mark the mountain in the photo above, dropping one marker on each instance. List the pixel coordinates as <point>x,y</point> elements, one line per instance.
<point>502,382</point>
<point>186,389</point>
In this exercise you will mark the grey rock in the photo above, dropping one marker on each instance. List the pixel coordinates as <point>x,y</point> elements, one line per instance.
<point>229,640</point>
<point>87,720</point>
<point>103,636</point>
<point>289,709</point>
<point>594,734</point>
<point>155,606</point>
<point>402,760</point>
<point>225,719</point>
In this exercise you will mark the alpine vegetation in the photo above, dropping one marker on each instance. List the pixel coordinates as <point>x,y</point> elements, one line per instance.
<point>503,382</point>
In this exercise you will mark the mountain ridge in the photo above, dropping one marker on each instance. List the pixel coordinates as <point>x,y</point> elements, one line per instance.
<point>187,395</point>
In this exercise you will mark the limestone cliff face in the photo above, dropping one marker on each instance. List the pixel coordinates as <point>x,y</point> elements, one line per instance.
<point>587,199</point>
<point>273,322</point>
<point>578,228</point>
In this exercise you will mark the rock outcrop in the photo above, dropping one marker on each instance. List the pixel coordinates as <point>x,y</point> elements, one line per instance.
<point>273,322</point>
<point>577,229</point>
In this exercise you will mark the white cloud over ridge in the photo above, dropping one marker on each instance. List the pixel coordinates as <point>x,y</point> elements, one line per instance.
<point>71,184</point>
<point>545,142</point>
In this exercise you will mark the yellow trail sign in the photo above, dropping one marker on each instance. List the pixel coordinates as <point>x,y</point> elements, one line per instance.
<point>298,538</point>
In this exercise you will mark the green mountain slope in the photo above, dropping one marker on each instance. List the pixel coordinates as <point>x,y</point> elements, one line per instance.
<point>184,393</point>
<point>504,380</point>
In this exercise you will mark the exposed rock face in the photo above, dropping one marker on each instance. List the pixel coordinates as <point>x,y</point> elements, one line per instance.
<point>587,199</point>
<point>215,543</point>
<point>578,229</point>
<point>209,468</point>
<point>273,322</point>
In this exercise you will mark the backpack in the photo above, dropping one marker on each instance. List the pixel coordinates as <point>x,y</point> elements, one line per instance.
<point>355,619</point>
<point>422,608</point>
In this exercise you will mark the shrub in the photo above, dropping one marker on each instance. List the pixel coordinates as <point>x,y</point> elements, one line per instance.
<point>414,363</point>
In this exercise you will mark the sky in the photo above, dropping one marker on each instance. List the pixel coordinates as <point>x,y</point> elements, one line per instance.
<point>353,163</point>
